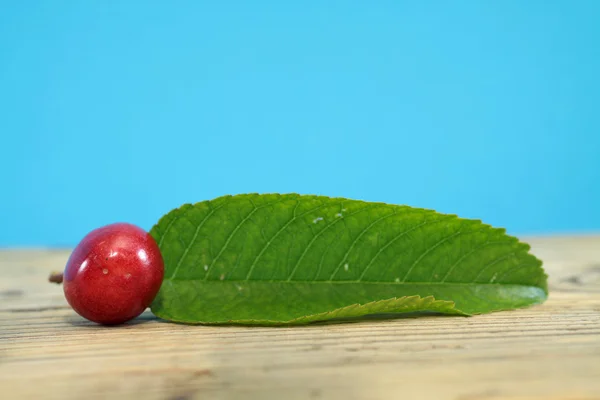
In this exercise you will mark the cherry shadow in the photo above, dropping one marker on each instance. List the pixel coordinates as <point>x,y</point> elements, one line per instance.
<point>80,322</point>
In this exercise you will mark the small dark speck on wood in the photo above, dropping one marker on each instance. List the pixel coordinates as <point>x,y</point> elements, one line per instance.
<point>56,277</point>
<point>594,268</point>
<point>182,397</point>
<point>574,279</point>
<point>11,293</point>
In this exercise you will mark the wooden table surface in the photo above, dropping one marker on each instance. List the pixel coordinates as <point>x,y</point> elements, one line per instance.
<point>550,351</point>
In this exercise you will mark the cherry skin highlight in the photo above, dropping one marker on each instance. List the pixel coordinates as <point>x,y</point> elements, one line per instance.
<point>113,274</point>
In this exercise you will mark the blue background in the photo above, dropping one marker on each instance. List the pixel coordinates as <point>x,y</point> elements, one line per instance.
<point>121,111</point>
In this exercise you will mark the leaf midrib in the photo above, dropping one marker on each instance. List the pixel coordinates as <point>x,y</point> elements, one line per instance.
<point>217,281</point>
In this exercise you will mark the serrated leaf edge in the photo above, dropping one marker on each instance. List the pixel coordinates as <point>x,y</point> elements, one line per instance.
<point>359,310</point>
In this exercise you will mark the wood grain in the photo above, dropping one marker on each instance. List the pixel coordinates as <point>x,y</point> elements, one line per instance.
<point>550,351</point>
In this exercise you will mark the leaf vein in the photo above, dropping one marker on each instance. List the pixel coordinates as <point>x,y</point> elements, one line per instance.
<point>451,269</point>
<point>525,264</point>
<point>429,250</point>
<point>496,261</point>
<point>238,226</point>
<point>319,234</point>
<point>388,244</point>
<point>320,267</point>
<point>182,211</point>
<point>365,230</point>
<point>268,243</point>
<point>193,241</point>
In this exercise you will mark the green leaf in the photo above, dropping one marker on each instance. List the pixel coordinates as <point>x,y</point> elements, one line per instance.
<point>291,259</point>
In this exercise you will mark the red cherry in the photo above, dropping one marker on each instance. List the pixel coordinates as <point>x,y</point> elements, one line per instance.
<point>113,274</point>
